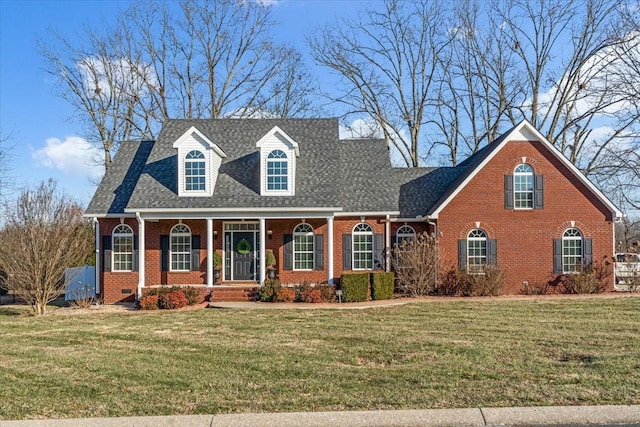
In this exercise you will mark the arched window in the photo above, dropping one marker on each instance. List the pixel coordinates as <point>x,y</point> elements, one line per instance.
<point>303,247</point>
<point>194,171</point>
<point>572,251</point>
<point>406,232</point>
<point>277,166</point>
<point>122,248</point>
<point>476,251</point>
<point>523,186</point>
<point>180,248</point>
<point>362,237</point>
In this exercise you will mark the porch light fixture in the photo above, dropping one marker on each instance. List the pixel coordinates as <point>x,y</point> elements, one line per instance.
<point>215,234</point>
<point>269,233</point>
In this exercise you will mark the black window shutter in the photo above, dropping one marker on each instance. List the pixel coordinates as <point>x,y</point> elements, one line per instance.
<point>538,195</point>
<point>587,256</point>
<point>318,252</point>
<point>164,256</point>
<point>106,253</point>
<point>492,252</point>
<point>288,252</point>
<point>135,254</point>
<point>346,251</point>
<point>195,252</point>
<point>557,256</point>
<point>462,254</point>
<point>134,260</point>
<point>508,191</point>
<point>378,251</point>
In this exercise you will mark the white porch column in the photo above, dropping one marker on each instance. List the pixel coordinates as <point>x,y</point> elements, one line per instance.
<point>96,226</point>
<point>209,252</point>
<point>387,231</point>
<point>263,250</point>
<point>141,268</point>
<point>330,249</point>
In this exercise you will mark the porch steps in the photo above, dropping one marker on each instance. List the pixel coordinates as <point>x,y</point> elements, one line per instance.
<point>233,293</point>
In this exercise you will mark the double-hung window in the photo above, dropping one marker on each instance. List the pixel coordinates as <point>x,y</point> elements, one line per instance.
<point>362,247</point>
<point>523,187</point>
<point>476,251</point>
<point>122,248</point>
<point>194,171</point>
<point>572,251</point>
<point>180,248</point>
<point>277,171</point>
<point>303,251</point>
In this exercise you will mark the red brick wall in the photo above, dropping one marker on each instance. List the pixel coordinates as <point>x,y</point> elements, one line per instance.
<point>525,237</point>
<point>114,283</point>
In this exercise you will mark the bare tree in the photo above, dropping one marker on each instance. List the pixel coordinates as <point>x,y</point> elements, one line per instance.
<point>388,63</point>
<point>7,184</point>
<point>193,59</point>
<point>43,234</point>
<point>415,263</point>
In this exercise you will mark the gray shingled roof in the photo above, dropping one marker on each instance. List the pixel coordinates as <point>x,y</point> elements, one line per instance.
<point>354,175</point>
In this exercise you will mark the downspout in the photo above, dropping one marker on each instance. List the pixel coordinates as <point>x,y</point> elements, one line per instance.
<point>387,258</point>
<point>141,251</point>
<point>96,227</point>
<point>435,235</point>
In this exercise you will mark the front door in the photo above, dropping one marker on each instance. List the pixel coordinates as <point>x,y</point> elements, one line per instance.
<point>244,249</point>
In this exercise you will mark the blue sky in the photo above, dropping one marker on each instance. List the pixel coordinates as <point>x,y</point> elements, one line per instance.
<point>45,142</point>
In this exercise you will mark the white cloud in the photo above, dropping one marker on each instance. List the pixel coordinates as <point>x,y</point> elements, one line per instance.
<point>74,157</point>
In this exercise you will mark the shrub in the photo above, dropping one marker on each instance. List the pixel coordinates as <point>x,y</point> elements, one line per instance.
<point>591,280</point>
<point>191,294</point>
<point>415,263</point>
<point>536,289</point>
<point>301,290</point>
<point>269,289</point>
<point>172,300</point>
<point>462,283</point>
<point>285,294</point>
<point>149,302</point>
<point>382,286</point>
<point>327,292</point>
<point>312,295</point>
<point>355,287</point>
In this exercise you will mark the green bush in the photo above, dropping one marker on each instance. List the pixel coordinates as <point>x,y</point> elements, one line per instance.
<point>382,285</point>
<point>269,289</point>
<point>355,287</point>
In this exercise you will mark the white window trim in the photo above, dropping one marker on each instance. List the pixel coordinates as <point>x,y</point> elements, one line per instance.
<point>529,173</point>
<point>355,233</point>
<point>287,162</point>
<point>303,234</point>
<point>402,232</point>
<point>573,238</point>
<point>470,239</point>
<point>171,234</point>
<point>113,252</point>
<point>202,160</point>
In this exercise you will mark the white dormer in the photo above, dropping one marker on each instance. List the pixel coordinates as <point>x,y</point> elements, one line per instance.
<point>199,161</point>
<point>278,153</point>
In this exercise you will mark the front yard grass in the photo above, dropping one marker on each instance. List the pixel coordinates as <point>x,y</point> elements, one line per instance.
<point>557,351</point>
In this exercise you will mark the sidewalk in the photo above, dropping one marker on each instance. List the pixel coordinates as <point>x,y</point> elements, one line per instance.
<point>530,416</point>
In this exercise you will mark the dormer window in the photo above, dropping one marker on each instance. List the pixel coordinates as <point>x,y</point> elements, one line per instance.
<point>278,154</point>
<point>194,171</point>
<point>199,161</point>
<point>277,176</point>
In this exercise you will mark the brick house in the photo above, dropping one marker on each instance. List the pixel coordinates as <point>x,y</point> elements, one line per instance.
<point>324,206</point>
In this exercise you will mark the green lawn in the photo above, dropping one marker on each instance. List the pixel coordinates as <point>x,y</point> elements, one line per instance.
<point>425,355</point>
